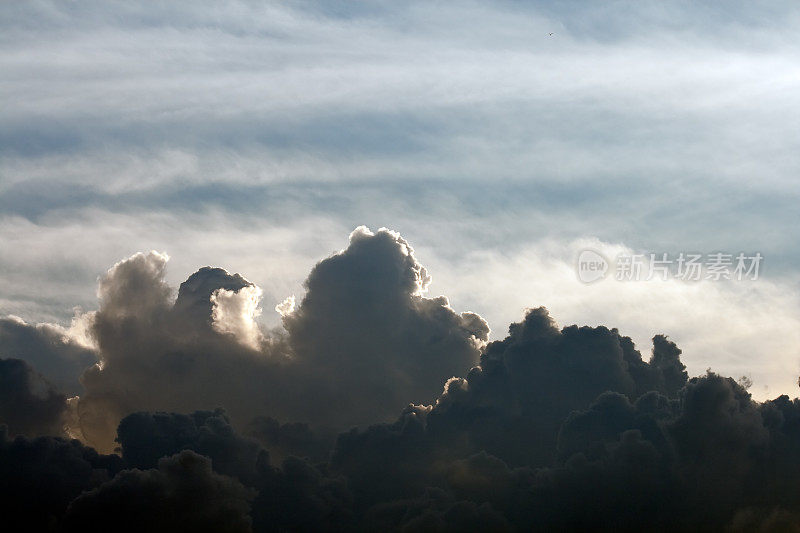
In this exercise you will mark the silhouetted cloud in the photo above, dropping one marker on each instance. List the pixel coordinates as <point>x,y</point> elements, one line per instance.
<point>144,438</point>
<point>367,336</point>
<point>709,459</point>
<point>513,404</point>
<point>29,404</point>
<point>529,382</point>
<point>295,494</point>
<point>182,494</point>
<point>40,477</point>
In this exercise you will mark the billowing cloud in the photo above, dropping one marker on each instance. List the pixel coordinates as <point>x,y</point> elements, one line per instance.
<point>709,459</point>
<point>289,439</point>
<point>372,340</point>
<point>363,342</point>
<point>513,404</point>
<point>159,354</point>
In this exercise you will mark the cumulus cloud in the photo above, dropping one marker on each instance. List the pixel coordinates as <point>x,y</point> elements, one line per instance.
<point>530,381</point>
<point>371,338</point>
<point>289,439</point>
<point>363,342</point>
<point>709,459</point>
<point>157,353</point>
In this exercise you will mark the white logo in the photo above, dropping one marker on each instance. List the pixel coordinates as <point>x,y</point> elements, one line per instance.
<point>591,266</point>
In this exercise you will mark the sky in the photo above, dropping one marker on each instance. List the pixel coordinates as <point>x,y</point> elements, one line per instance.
<point>362,266</point>
<point>498,139</point>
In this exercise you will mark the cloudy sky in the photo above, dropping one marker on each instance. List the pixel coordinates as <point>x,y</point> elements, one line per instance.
<point>499,140</point>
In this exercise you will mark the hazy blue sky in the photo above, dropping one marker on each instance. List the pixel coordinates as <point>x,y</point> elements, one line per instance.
<point>256,136</point>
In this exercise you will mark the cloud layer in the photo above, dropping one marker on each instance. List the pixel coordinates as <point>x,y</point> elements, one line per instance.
<point>220,424</point>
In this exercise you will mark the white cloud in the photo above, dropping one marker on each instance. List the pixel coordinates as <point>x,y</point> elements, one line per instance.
<point>235,313</point>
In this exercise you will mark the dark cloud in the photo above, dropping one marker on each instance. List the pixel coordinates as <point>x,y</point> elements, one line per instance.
<point>29,404</point>
<point>710,459</point>
<point>291,438</point>
<point>373,342</point>
<point>435,510</point>
<point>570,430</point>
<point>303,497</point>
<point>144,438</point>
<point>40,477</point>
<point>182,494</point>
<point>513,404</point>
<point>293,495</point>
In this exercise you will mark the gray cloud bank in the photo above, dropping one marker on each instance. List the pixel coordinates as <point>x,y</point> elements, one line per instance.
<point>220,425</point>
